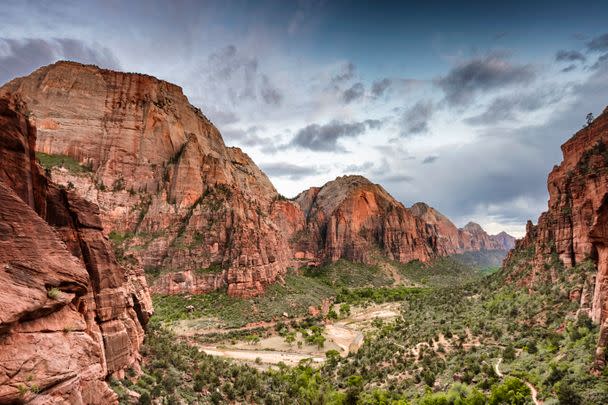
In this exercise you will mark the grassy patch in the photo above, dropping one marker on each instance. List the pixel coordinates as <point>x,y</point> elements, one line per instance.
<point>50,161</point>
<point>344,273</point>
<point>294,298</point>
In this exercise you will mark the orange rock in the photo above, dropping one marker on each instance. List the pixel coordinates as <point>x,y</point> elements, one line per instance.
<point>69,314</point>
<point>575,227</point>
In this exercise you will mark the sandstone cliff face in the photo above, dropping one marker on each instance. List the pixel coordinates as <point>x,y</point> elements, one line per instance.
<point>69,314</point>
<point>354,219</point>
<point>575,227</point>
<point>174,196</point>
<point>452,240</point>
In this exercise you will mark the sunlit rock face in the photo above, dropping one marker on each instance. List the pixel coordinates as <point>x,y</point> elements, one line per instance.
<point>70,315</point>
<point>198,215</point>
<point>159,169</point>
<point>575,227</point>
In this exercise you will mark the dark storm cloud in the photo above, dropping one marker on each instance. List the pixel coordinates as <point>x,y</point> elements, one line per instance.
<point>569,56</point>
<point>599,43</point>
<point>415,120</point>
<point>380,86</point>
<point>506,108</point>
<point>429,159</point>
<point>19,57</point>
<point>325,137</point>
<point>482,74</point>
<point>353,93</point>
<point>288,170</point>
<point>511,188</point>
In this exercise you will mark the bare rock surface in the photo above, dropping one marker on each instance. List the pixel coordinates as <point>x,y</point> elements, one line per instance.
<point>70,316</point>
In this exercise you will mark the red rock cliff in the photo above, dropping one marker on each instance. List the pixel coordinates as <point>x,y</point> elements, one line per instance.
<point>354,219</point>
<point>70,316</point>
<point>452,240</point>
<point>575,227</point>
<point>181,203</point>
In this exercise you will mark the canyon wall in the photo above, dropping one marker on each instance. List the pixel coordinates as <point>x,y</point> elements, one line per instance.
<point>575,227</point>
<point>196,215</point>
<point>70,316</point>
<point>178,201</point>
<point>453,240</point>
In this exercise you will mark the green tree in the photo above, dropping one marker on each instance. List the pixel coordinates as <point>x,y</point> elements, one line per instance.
<point>512,391</point>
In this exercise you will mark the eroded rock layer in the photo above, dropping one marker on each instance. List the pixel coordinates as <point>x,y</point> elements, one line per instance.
<point>575,227</point>
<point>196,215</point>
<point>354,219</point>
<point>70,316</point>
<point>172,195</point>
<point>453,240</point>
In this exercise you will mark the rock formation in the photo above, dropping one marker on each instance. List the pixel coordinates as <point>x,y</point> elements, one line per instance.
<point>352,218</point>
<point>197,215</point>
<point>181,203</point>
<point>70,316</point>
<point>452,240</point>
<point>575,227</point>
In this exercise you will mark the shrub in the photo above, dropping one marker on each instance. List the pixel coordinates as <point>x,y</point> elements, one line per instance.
<point>53,293</point>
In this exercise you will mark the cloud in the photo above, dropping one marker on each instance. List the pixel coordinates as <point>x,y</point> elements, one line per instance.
<point>568,68</point>
<point>429,159</point>
<point>355,92</point>
<point>270,94</point>
<point>600,61</point>
<point>506,108</point>
<point>288,170</point>
<point>569,56</point>
<point>463,82</point>
<point>229,78</point>
<point>324,138</point>
<point>346,73</point>
<point>415,120</point>
<point>363,167</point>
<point>598,44</point>
<point>397,178</point>
<point>19,57</point>
<point>380,86</point>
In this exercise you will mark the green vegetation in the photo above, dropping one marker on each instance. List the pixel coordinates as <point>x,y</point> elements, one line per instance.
<point>293,298</point>
<point>348,274</point>
<point>441,272</point>
<point>358,296</point>
<point>455,331</point>
<point>53,293</point>
<point>51,161</point>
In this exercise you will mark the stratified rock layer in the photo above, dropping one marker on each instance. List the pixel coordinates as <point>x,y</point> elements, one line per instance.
<point>198,215</point>
<point>69,314</point>
<point>354,219</point>
<point>452,240</point>
<point>575,227</point>
<point>168,188</point>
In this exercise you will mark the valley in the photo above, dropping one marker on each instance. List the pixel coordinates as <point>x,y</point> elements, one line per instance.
<point>146,262</point>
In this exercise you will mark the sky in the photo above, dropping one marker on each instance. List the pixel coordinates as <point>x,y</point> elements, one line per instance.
<point>463,107</point>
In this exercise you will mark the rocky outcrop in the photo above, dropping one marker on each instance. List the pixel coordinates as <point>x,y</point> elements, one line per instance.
<point>70,316</point>
<point>170,192</point>
<point>354,219</point>
<point>452,240</point>
<point>196,215</point>
<point>575,227</point>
